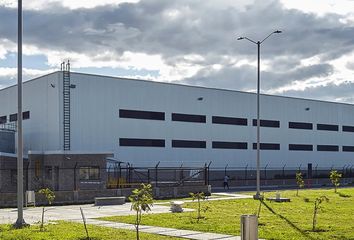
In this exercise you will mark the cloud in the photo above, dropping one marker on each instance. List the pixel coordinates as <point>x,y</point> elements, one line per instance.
<point>190,41</point>
<point>46,4</point>
<point>8,76</point>
<point>332,92</point>
<point>350,65</point>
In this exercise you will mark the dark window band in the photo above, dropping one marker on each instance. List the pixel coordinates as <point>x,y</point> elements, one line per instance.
<point>25,115</point>
<point>267,146</point>
<point>300,125</point>
<point>300,147</point>
<point>267,123</point>
<point>348,148</point>
<point>327,148</point>
<point>229,120</point>
<point>137,142</point>
<point>13,117</point>
<point>188,144</point>
<point>137,114</point>
<point>230,145</point>
<point>348,128</point>
<point>180,117</point>
<point>327,127</point>
<point>3,119</point>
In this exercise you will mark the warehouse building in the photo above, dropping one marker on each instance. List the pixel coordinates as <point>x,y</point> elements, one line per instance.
<point>146,122</point>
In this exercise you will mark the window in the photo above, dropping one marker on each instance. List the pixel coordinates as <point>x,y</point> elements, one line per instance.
<point>123,113</point>
<point>3,119</point>
<point>327,148</point>
<point>348,128</point>
<point>230,145</point>
<point>13,117</point>
<point>267,123</point>
<point>229,120</point>
<point>327,127</point>
<point>25,115</point>
<point>179,117</point>
<point>188,144</point>
<point>137,142</point>
<point>300,125</point>
<point>300,147</point>
<point>267,146</point>
<point>89,173</point>
<point>348,148</point>
<point>48,172</point>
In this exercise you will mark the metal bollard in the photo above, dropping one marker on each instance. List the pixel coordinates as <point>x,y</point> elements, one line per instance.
<point>249,227</point>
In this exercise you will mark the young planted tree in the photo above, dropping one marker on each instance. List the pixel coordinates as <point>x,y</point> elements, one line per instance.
<point>199,196</point>
<point>300,182</point>
<point>142,201</point>
<point>49,196</point>
<point>317,207</point>
<point>335,179</point>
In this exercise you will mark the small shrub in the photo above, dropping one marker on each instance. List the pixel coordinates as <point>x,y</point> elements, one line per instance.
<point>49,196</point>
<point>335,179</point>
<point>299,181</point>
<point>142,200</point>
<point>306,199</point>
<point>199,196</point>
<point>317,207</point>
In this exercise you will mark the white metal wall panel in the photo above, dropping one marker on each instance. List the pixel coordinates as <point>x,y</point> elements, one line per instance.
<point>96,126</point>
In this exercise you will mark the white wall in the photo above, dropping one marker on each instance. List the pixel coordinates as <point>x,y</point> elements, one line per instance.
<point>96,101</point>
<point>40,132</point>
<point>96,126</point>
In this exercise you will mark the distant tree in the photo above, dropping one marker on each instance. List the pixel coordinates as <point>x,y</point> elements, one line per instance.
<point>300,182</point>
<point>199,196</point>
<point>317,207</point>
<point>142,200</point>
<point>49,196</point>
<point>335,179</point>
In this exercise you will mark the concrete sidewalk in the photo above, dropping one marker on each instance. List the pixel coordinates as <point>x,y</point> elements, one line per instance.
<point>188,234</point>
<point>72,213</point>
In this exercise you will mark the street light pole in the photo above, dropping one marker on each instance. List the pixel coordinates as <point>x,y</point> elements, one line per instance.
<point>258,43</point>
<point>20,221</point>
<point>258,194</point>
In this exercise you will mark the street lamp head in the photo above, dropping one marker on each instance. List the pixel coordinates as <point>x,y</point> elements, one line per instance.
<point>277,31</point>
<point>240,38</point>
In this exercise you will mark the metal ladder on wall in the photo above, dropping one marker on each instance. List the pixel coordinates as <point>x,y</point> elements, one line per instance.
<point>65,68</point>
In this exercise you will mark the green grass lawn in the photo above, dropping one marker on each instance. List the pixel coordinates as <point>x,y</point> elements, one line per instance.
<point>70,231</point>
<point>277,220</point>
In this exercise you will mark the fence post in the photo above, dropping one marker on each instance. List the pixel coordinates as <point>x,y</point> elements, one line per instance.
<point>75,184</point>
<point>181,177</point>
<point>265,174</point>
<point>27,176</point>
<point>205,174</point>
<point>246,172</point>
<point>148,175</point>
<point>284,174</point>
<point>156,179</point>
<point>208,172</point>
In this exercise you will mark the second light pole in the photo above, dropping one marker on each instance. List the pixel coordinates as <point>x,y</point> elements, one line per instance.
<point>258,43</point>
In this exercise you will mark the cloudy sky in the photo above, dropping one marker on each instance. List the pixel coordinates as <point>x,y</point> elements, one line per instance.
<point>190,42</point>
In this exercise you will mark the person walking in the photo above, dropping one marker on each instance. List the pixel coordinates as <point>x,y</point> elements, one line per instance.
<point>226,182</point>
